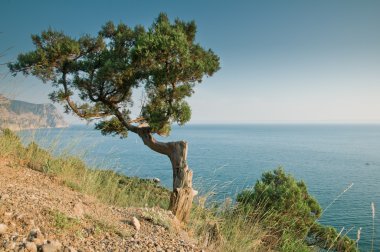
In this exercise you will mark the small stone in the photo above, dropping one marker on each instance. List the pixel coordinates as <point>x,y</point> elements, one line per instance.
<point>4,196</point>
<point>30,247</point>
<point>3,228</point>
<point>7,215</point>
<point>14,236</point>
<point>52,246</point>
<point>35,233</point>
<point>20,217</point>
<point>11,246</point>
<point>38,241</point>
<point>156,180</point>
<point>78,210</point>
<point>136,223</point>
<point>69,249</point>
<point>48,248</point>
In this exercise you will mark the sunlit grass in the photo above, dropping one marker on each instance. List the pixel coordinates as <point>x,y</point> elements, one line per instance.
<point>107,185</point>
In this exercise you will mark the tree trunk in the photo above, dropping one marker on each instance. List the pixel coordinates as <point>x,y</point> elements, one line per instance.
<point>182,196</point>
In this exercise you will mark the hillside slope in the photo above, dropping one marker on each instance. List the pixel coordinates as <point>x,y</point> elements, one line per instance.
<point>39,211</point>
<point>18,115</point>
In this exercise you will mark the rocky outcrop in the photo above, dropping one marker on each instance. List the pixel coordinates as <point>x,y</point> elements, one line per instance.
<point>18,115</point>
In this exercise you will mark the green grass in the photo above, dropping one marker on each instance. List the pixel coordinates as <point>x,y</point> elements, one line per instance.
<point>61,221</point>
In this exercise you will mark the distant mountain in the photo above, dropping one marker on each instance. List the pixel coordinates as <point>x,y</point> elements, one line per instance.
<point>18,115</point>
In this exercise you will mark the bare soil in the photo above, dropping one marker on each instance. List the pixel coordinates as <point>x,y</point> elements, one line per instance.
<point>39,213</point>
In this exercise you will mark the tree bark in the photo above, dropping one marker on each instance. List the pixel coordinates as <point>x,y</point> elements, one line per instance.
<point>182,196</point>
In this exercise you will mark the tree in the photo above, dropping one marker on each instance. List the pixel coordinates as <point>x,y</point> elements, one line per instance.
<point>104,70</point>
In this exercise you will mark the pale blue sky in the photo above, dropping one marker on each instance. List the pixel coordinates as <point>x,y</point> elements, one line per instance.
<point>282,61</point>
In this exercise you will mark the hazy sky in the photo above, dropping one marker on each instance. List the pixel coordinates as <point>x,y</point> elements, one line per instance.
<point>282,61</point>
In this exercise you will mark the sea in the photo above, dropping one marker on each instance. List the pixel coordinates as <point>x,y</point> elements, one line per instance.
<point>339,163</point>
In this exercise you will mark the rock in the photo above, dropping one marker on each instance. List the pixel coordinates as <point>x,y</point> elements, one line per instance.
<point>30,247</point>
<point>195,192</point>
<point>69,249</point>
<point>51,246</point>
<point>38,241</point>
<point>136,223</point>
<point>3,228</point>
<point>78,210</point>
<point>156,180</point>
<point>4,196</point>
<point>7,215</point>
<point>35,234</point>
<point>11,246</point>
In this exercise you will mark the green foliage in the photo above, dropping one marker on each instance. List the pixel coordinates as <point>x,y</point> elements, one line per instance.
<point>112,127</point>
<point>291,213</point>
<point>40,164</point>
<point>10,144</point>
<point>328,237</point>
<point>9,134</point>
<point>289,199</point>
<point>104,70</point>
<point>62,221</point>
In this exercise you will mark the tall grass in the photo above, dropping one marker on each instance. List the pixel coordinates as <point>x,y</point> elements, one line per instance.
<point>224,228</point>
<point>106,185</point>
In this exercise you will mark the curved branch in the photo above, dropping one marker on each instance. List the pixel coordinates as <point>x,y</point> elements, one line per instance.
<point>153,144</point>
<point>79,113</point>
<point>143,132</point>
<point>74,107</point>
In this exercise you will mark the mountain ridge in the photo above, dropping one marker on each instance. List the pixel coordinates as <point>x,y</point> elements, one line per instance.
<point>20,115</point>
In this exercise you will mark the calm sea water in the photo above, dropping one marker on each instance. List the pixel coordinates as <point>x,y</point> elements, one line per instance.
<point>227,158</point>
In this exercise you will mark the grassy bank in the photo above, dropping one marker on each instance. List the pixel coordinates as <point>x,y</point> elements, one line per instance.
<point>106,185</point>
<point>252,224</point>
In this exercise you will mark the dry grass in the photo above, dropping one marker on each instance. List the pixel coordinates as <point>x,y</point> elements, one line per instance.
<point>106,185</point>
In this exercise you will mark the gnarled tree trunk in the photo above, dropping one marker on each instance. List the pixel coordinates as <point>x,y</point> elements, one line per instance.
<point>182,196</point>
<point>183,193</point>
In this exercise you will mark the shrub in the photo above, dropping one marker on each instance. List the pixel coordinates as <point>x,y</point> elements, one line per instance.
<point>290,212</point>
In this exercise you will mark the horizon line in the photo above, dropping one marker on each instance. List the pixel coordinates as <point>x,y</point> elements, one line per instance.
<point>267,123</point>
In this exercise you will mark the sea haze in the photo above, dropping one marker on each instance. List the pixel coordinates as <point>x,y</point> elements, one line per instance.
<point>227,158</point>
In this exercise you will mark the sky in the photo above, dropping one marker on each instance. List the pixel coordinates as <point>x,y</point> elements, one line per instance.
<point>281,61</point>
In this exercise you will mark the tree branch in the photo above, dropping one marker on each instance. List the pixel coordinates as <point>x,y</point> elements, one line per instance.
<point>143,132</point>
<point>74,107</point>
<point>153,144</point>
<point>77,111</point>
